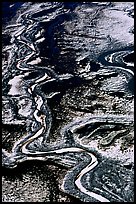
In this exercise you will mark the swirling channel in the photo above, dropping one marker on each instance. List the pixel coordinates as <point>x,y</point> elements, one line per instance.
<point>26,34</point>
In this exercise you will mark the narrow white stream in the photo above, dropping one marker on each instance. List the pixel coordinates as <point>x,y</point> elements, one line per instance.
<point>78,182</point>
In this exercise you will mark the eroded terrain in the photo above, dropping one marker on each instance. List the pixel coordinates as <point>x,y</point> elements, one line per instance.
<point>68,102</point>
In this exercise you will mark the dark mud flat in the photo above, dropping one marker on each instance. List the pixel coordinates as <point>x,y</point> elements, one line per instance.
<point>68,102</point>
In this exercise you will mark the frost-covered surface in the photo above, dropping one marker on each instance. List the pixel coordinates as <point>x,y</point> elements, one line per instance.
<point>68,102</point>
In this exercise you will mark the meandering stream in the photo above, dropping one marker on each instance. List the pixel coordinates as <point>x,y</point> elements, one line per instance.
<point>25,84</point>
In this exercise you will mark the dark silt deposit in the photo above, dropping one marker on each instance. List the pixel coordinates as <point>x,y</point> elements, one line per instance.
<point>68,102</point>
